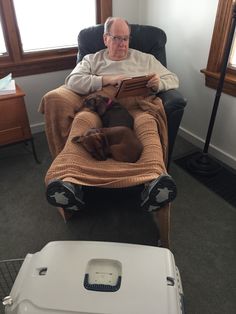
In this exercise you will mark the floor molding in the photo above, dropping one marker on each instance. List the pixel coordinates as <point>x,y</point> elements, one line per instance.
<point>217,153</point>
<point>37,127</point>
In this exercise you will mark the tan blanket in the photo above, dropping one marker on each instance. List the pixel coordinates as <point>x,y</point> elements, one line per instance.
<point>76,165</point>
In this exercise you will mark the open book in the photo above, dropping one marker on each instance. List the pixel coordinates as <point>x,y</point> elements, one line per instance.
<point>135,86</point>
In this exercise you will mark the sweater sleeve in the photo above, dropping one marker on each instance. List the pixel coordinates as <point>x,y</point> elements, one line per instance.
<point>81,80</point>
<point>168,80</point>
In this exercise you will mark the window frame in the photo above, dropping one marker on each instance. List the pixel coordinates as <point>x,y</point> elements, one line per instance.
<point>22,64</point>
<point>220,34</point>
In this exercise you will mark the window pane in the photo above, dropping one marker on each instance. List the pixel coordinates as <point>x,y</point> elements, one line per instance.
<point>51,24</point>
<point>232,60</point>
<point>2,42</point>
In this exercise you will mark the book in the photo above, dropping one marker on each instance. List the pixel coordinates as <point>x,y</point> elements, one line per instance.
<point>135,86</point>
<point>9,88</point>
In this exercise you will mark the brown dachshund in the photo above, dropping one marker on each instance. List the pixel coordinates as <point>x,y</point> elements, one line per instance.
<point>111,113</point>
<point>116,139</point>
<point>118,142</point>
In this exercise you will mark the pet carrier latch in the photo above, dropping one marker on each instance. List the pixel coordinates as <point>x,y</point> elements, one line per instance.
<point>7,300</point>
<point>170,281</point>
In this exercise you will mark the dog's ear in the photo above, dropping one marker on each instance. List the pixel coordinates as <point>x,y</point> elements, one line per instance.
<point>93,143</point>
<point>90,103</point>
<point>102,104</point>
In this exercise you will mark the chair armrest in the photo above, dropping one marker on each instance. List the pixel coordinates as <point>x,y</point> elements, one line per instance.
<point>172,100</point>
<point>174,104</point>
<point>59,107</point>
<point>60,96</point>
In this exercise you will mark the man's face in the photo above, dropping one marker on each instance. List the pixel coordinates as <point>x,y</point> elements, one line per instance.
<point>117,40</point>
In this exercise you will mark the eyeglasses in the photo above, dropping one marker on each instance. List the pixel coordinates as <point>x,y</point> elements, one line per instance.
<point>119,39</point>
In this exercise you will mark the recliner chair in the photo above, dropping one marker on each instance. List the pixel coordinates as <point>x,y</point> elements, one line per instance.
<point>151,40</point>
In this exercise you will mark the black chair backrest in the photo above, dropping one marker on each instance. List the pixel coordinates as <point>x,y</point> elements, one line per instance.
<point>145,38</point>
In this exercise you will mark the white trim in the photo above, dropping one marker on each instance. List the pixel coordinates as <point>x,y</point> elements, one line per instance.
<point>37,127</point>
<point>213,150</point>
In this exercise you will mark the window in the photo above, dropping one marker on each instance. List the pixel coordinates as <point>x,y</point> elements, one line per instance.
<point>232,58</point>
<point>219,39</point>
<point>40,36</point>
<point>2,42</point>
<point>52,28</point>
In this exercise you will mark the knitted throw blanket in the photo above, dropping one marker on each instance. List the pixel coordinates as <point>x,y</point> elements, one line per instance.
<point>75,164</point>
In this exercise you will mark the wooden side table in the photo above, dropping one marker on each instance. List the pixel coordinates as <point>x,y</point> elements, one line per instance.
<point>14,122</point>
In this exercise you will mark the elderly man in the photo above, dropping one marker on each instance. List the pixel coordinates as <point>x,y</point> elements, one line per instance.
<point>117,62</point>
<point>97,73</point>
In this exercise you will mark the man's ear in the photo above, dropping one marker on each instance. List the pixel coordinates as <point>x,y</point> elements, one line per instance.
<point>105,37</point>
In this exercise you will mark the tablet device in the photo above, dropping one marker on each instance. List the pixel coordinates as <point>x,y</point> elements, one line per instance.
<point>135,86</point>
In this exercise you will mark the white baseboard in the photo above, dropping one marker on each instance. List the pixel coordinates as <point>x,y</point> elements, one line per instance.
<point>37,127</point>
<point>213,150</point>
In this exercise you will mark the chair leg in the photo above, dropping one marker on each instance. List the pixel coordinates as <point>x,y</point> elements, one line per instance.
<point>65,215</point>
<point>162,219</point>
<point>34,151</point>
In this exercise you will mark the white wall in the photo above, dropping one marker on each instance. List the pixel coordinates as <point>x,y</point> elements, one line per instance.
<point>188,25</point>
<point>128,9</point>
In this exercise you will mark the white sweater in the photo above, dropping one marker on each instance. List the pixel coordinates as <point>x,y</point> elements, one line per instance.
<point>86,77</point>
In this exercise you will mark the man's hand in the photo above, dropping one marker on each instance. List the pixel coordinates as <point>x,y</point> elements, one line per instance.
<point>113,79</point>
<point>153,83</point>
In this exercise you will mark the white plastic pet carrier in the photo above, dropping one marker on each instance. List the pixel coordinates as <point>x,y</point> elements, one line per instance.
<point>95,278</point>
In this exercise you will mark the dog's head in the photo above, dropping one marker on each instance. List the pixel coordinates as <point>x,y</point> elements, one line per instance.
<point>95,142</point>
<point>97,103</point>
